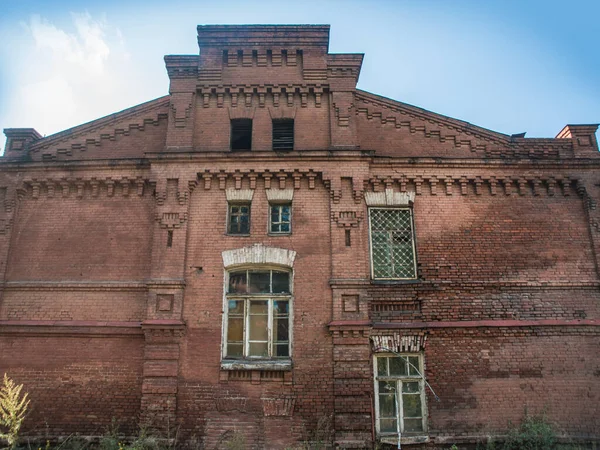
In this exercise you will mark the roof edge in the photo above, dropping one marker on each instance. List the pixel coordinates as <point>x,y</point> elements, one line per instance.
<point>114,117</point>
<point>430,115</point>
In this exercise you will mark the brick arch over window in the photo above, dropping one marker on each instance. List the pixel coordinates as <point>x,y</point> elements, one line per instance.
<point>258,254</point>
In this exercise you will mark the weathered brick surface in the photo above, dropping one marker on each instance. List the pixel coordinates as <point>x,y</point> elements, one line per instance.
<point>77,384</point>
<point>112,275</point>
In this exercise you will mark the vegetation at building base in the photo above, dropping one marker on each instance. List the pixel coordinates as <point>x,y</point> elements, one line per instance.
<point>534,433</point>
<point>13,408</point>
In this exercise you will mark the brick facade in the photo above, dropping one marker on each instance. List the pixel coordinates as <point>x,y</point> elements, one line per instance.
<point>116,258</point>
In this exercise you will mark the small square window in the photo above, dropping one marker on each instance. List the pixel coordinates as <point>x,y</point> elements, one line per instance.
<point>238,221</point>
<point>280,219</point>
<point>241,134</point>
<point>283,134</point>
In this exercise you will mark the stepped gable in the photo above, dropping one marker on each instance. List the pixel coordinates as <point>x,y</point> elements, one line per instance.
<point>397,129</point>
<point>126,134</point>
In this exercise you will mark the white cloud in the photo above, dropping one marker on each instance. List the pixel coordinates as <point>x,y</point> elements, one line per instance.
<point>87,48</point>
<point>62,76</point>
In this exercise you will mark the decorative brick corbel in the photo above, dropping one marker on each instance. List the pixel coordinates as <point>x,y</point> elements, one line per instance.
<point>464,183</point>
<point>347,219</point>
<point>181,106</point>
<point>449,182</point>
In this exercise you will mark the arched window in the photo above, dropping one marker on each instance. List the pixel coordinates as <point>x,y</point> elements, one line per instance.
<point>258,310</point>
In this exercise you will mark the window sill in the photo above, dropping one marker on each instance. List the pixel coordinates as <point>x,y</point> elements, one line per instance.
<point>398,281</point>
<point>237,234</point>
<point>260,364</point>
<point>407,440</point>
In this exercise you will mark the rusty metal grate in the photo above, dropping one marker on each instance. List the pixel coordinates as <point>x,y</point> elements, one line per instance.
<point>392,245</point>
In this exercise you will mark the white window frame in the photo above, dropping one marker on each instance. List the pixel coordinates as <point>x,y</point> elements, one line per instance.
<point>399,379</point>
<point>414,249</point>
<point>278,205</point>
<point>260,296</point>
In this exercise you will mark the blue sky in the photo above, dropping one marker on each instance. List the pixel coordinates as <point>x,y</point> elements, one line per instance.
<point>510,66</point>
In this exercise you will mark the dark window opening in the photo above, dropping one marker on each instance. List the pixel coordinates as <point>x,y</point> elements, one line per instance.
<point>170,238</point>
<point>283,134</point>
<point>241,134</point>
<point>348,241</point>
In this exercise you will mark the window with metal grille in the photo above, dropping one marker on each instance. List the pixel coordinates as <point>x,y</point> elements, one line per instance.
<point>399,395</point>
<point>241,134</point>
<point>283,134</point>
<point>392,244</point>
<point>280,219</point>
<point>238,221</point>
<point>258,314</point>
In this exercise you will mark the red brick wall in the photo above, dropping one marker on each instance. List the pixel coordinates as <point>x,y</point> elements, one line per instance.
<point>89,239</point>
<point>76,384</point>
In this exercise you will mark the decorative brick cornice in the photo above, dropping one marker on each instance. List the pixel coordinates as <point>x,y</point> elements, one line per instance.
<point>254,95</point>
<point>218,178</point>
<point>500,184</point>
<point>138,117</point>
<point>80,187</point>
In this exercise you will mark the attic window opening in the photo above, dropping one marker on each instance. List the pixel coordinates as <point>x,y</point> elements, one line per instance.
<point>241,134</point>
<point>283,134</point>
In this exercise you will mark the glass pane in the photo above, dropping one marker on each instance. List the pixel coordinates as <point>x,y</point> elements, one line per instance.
<point>412,405</point>
<point>387,425</point>
<point>387,405</point>
<point>260,282</point>
<point>244,209</point>
<point>245,228</point>
<point>412,425</point>
<point>258,328</point>
<point>410,387</point>
<point>235,209</point>
<point>285,210</point>
<point>274,228</point>
<point>382,366</point>
<point>235,329</point>
<point>285,227</point>
<point>281,329</point>
<point>397,366</point>
<point>259,307</point>
<point>236,307</point>
<point>413,367</point>
<point>280,307</point>
<point>234,350</point>
<point>281,282</point>
<point>387,387</point>
<point>237,283</point>
<point>259,349</point>
<point>282,350</point>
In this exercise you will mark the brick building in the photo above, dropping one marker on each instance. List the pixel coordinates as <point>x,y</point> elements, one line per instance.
<point>269,252</point>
